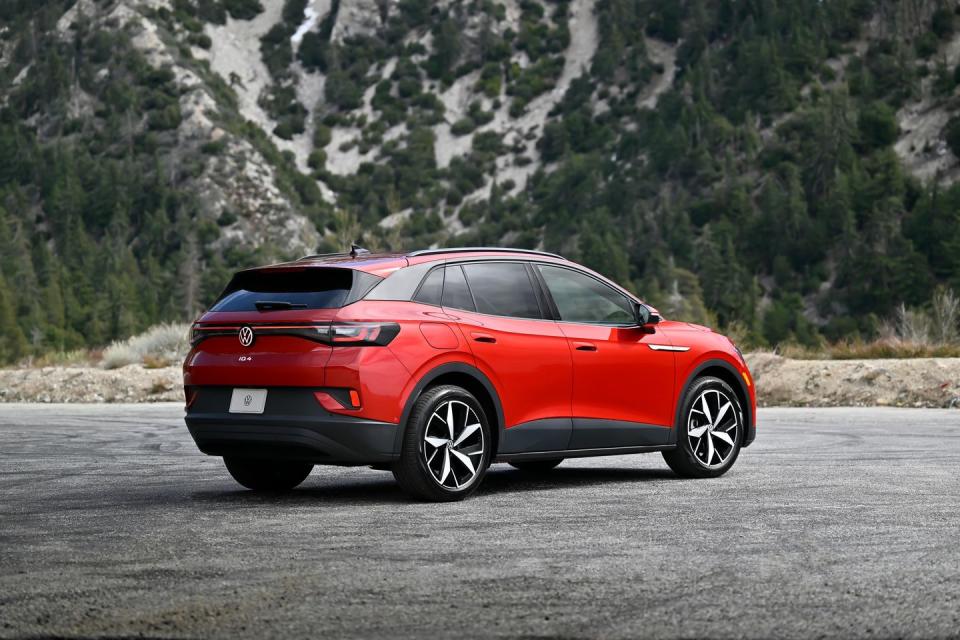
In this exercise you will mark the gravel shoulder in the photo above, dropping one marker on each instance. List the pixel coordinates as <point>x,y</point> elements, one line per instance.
<point>918,382</point>
<point>915,382</point>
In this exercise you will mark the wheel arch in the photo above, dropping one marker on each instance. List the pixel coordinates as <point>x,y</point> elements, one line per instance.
<point>728,373</point>
<point>471,379</point>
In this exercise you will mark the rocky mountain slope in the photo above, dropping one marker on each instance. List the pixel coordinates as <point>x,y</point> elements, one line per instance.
<point>783,170</point>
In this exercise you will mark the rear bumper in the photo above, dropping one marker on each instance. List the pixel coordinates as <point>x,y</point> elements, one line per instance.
<point>293,426</point>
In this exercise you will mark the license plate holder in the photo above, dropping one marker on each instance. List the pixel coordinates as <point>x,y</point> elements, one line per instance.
<point>248,400</point>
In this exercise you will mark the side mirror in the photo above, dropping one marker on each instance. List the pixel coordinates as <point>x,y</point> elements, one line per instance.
<point>645,315</point>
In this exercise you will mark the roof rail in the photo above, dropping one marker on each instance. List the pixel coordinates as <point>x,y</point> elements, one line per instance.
<point>428,252</point>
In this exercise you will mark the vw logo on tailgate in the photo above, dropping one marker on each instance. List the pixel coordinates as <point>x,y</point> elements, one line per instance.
<point>246,335</point>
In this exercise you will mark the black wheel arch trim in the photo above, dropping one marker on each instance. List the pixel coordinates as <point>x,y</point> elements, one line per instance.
<point>443,369</point>
<point>751,428</point>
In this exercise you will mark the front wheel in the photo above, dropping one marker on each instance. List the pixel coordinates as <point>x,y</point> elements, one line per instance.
<point>710,431</point>
<point>446,446</point>
<point>267,475</point>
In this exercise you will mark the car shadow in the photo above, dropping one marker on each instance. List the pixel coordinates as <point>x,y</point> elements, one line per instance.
<point>500,480</point>
<point>506,479</point>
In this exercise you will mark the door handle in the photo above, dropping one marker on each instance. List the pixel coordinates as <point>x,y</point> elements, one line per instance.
<point>584,346</point>
<point>483,337</point>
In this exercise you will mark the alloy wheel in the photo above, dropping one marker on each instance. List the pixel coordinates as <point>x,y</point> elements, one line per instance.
<point>713,427</point>
<point>453,445</point>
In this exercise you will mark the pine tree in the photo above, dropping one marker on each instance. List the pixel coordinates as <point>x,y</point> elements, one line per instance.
<point>13,344</point>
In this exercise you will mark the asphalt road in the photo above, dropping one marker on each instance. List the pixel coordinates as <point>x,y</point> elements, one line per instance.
<point>837,522</point>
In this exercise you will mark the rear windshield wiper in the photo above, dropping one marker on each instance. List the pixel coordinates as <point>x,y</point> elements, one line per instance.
<point>277,305</point>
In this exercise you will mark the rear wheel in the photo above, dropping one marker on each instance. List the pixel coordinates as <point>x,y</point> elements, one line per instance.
<point>267,475</point>
<point>536,466</point>
<point>446,446</point>
<point>710,431</point>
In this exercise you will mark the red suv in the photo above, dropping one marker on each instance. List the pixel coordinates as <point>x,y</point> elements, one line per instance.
<point>436,363</point>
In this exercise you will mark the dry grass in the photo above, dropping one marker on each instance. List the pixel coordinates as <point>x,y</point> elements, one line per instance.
<point>75,358</point>
<point>160,346</point>
<point>910,333</point>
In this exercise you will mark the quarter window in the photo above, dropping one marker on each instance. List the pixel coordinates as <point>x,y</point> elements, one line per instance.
<point>456,295</point>
<point>432,288</point>
<point>502,289</point>
<point>580,298</point>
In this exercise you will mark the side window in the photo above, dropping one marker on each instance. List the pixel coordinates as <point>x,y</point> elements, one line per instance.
<point>580,298</point>
<point>502,289</point>
<point>456,295</point>
<point>432,288</point>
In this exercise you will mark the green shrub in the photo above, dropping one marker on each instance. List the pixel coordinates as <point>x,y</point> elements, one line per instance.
<point>164,119</point>
<point>951,134</point>
<point>926,44</point>
<point>878,125</point>
<point>227,218</point>
<point>942,23</point>
<point>317,159</point>
<point>201,40</point>
<point>243,9</point>
<point>321,136</point>
<point>214,147</point>
<point>463,126</point>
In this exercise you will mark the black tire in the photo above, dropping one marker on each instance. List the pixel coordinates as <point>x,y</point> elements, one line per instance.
<point>413,470</point>
<point>268,475</point>
<point>536,466</point>
<point>688,459</point>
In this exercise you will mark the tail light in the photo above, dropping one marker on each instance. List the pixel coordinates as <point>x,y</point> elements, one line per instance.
<point>359,334</point>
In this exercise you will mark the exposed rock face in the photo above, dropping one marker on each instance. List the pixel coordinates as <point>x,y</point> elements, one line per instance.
<point>361,18</point>
<point>238,180</point>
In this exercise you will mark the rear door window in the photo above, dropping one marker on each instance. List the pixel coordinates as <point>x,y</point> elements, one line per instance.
<point>310,288</point>
<point>502,289</point>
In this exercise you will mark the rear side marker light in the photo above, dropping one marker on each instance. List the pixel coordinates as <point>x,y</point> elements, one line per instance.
<point>338,399</point>
<point>191,396</point>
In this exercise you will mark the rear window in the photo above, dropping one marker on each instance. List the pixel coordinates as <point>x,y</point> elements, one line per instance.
<point>311,288</point>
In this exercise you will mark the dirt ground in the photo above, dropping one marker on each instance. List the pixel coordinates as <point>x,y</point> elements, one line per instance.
<point>132,383</point>
<point>920,382</point>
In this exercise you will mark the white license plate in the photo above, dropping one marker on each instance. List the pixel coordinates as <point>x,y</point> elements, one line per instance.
<point>248,400</point>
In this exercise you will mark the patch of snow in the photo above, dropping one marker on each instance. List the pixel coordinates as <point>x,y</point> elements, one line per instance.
<point>310,18</point>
